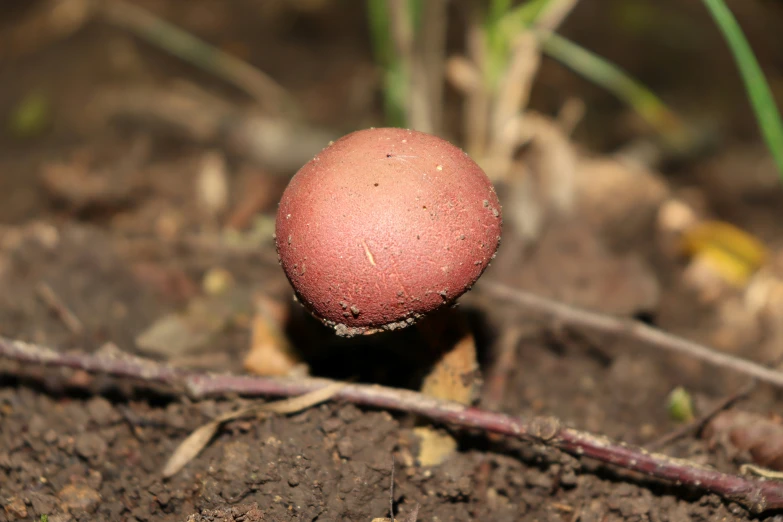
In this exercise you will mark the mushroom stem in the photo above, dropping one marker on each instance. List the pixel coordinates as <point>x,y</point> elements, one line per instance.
<point>453,376</point>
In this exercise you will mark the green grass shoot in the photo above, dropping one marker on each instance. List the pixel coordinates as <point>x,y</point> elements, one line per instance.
<point>755,84</point>
<point>612,78</point>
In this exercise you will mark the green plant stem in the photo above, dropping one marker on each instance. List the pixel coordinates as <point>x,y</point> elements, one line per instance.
<point>609,76</point>
<point>395,77</point>
<point>502,23</point>
<point>758,90</point>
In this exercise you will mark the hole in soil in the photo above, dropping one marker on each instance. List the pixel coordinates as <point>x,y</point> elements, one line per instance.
<point>400,358</point>
<point>647,318</point>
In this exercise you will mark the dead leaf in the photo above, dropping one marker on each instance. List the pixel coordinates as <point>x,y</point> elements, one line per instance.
<point>271,353</point>
<point>455,376</point>
<point>434,446</point>
<point>198,440</point>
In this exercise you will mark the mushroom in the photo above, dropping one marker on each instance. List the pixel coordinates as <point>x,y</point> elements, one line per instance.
<point>384,227</point>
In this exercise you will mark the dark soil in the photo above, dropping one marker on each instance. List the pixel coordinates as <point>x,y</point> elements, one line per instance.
<point>80,447</point>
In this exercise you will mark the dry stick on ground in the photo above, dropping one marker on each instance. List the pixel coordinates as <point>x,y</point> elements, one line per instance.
<point>501,367</point>
<point>755,494</point>
<point>626,327</point>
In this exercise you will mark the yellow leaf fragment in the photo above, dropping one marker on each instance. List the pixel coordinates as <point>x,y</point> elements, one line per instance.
<point>733,253</point>
<point>271,353</point>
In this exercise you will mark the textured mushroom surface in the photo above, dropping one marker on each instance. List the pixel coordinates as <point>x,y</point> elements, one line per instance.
<point>384,226</point>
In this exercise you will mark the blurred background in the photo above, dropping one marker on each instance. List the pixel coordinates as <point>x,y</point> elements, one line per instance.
<point>71,70</point>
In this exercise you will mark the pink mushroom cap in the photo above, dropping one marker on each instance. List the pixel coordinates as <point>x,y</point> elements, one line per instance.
<point>384,226</point>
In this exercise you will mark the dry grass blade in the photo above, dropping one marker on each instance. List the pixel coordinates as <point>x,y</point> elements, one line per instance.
<point>198,440</point>
<point>305,401</point>
<point>510,100</point>
<point>190,447</point>
<point>265,90</point>
<point>750,469</point>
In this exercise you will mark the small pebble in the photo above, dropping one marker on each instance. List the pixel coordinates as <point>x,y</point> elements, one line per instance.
<point>79,497</point>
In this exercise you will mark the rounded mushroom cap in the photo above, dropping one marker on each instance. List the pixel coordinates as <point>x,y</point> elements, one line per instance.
<point>384,226</point>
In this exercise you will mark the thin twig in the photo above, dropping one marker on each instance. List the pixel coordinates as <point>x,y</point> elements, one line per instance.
<point>391,492</point>
<point>501,367</point>
<point>626,327</point>
<point>52,300</point>
<point>757,495</point>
